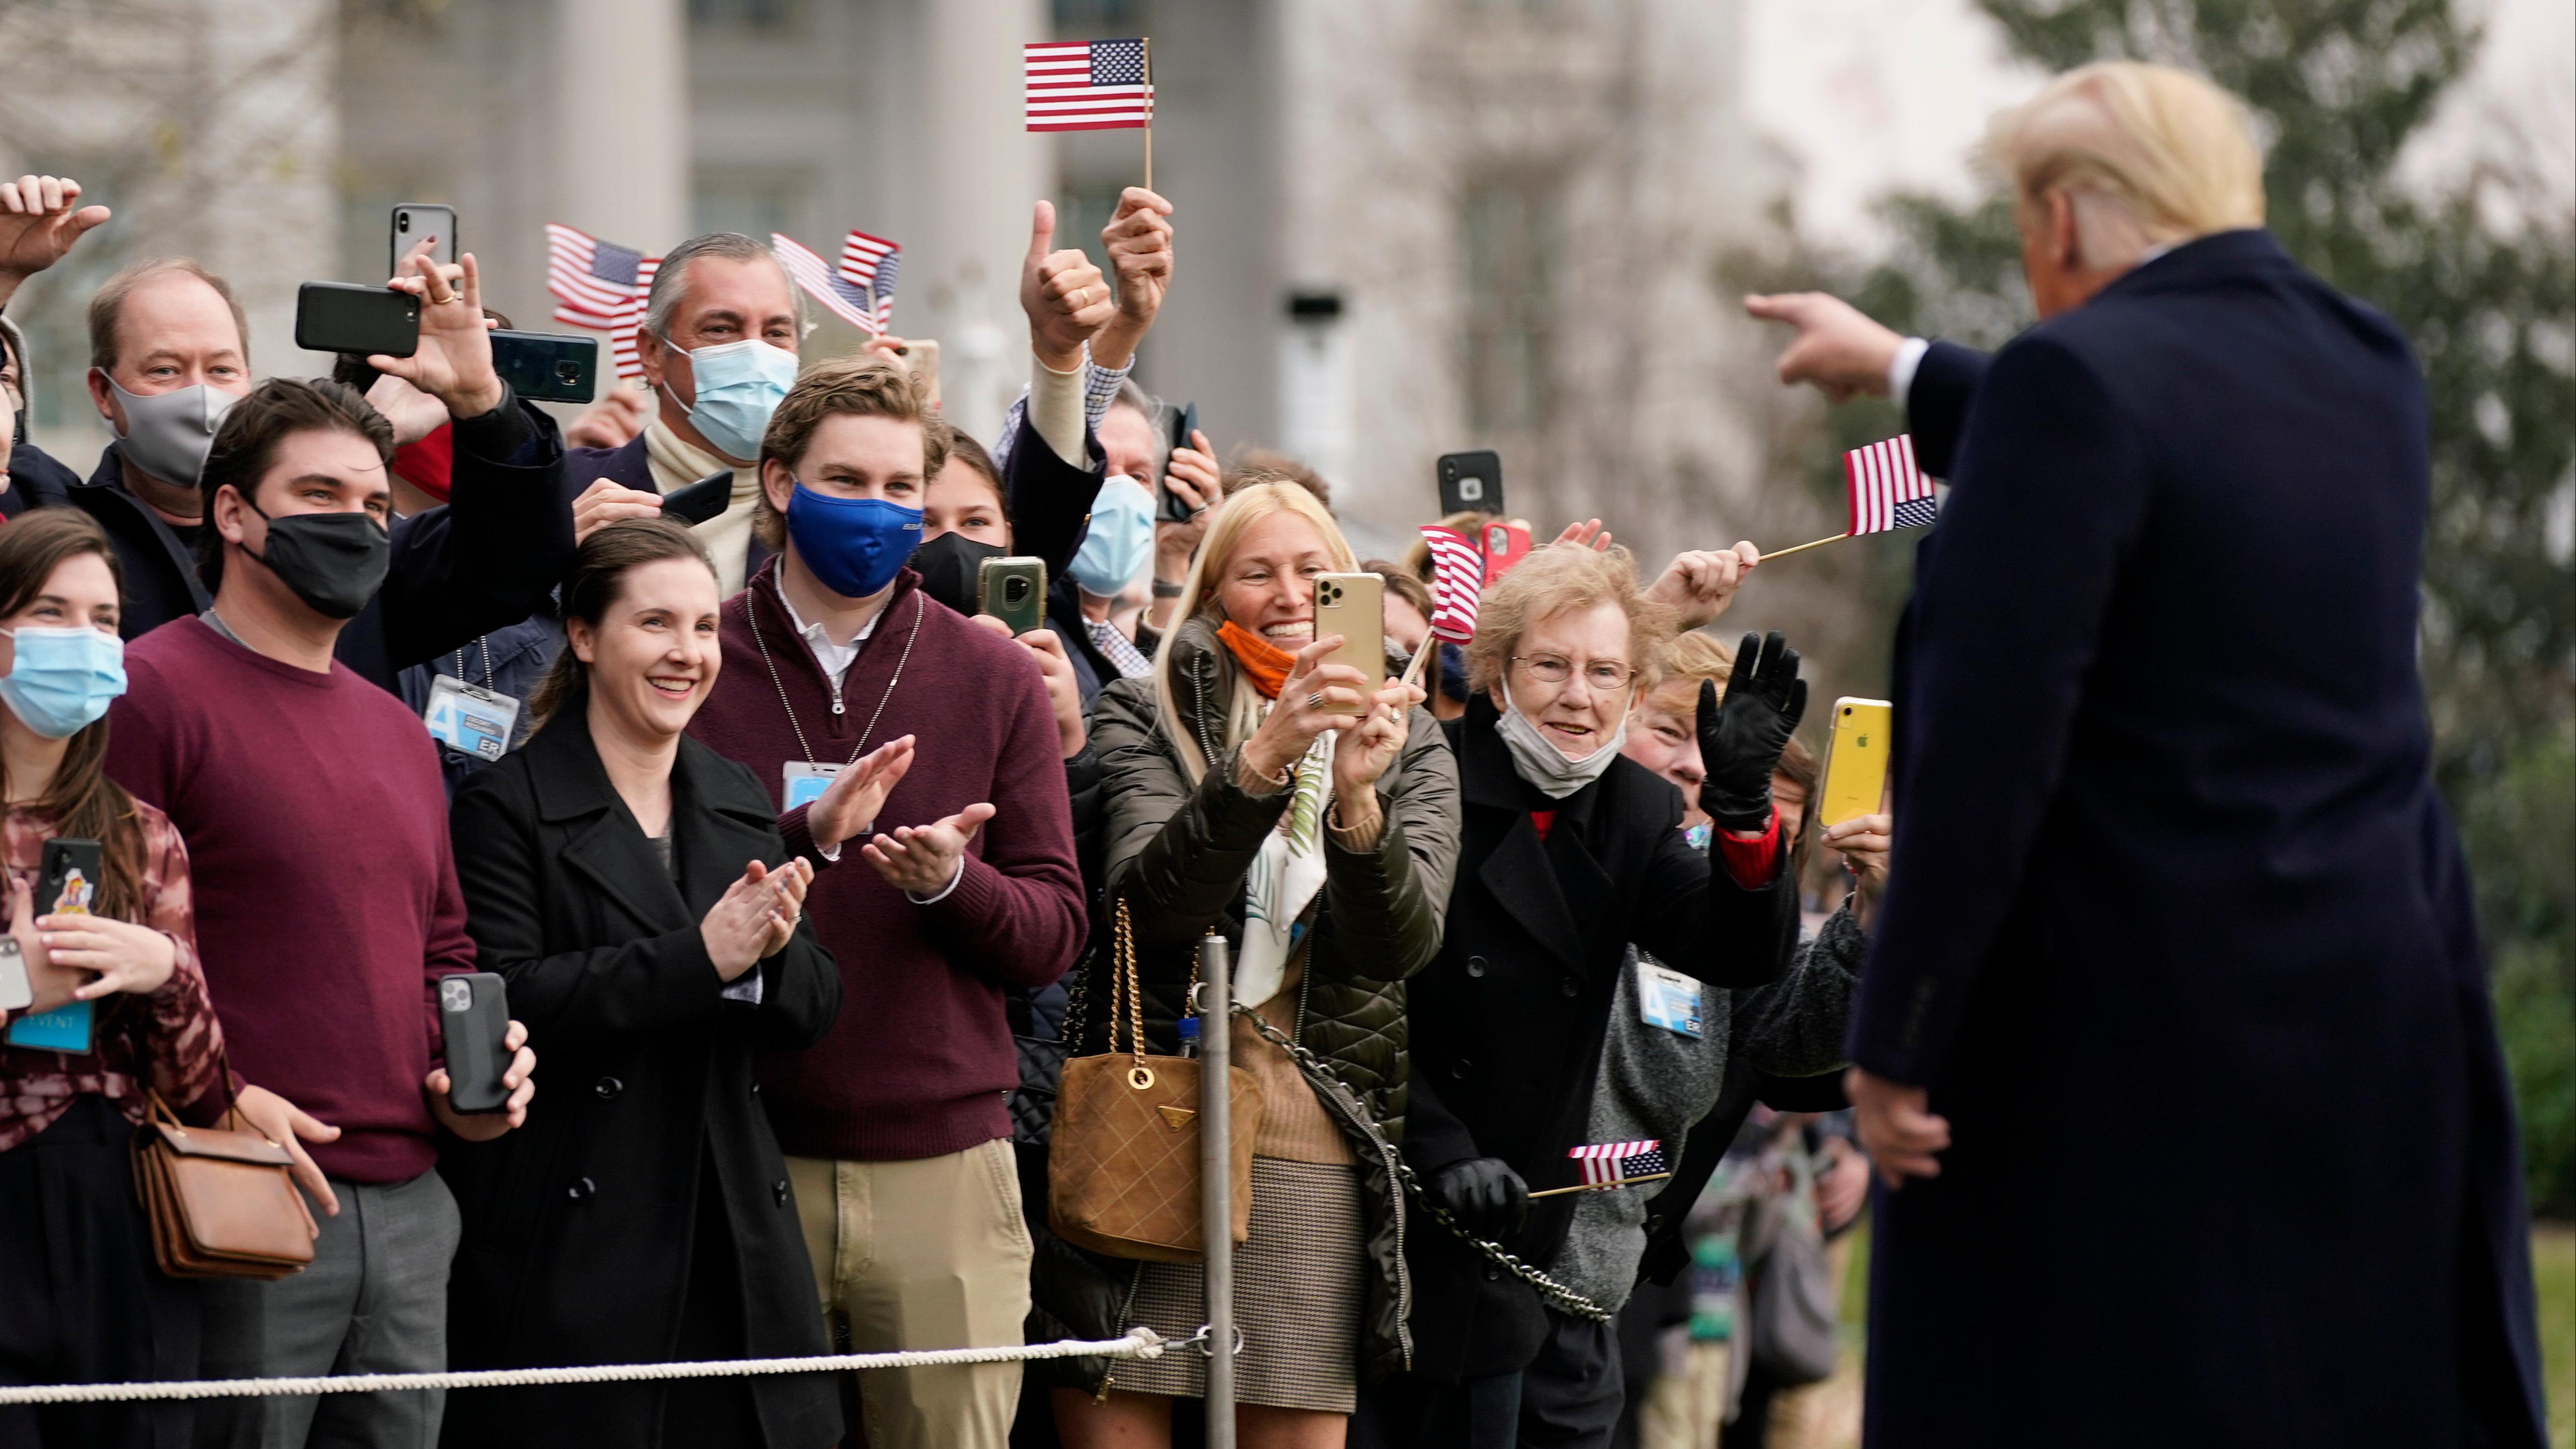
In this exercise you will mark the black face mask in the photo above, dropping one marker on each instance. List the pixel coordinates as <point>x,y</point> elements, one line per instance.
<point>950,567</point>
<point>334,562</point>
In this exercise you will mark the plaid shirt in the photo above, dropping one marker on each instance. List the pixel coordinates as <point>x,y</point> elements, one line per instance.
<point>1099,389</point>
<point>175,1025</point>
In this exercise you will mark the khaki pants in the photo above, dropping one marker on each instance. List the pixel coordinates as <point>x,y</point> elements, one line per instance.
<point>929,1253</point>
<point>1686,1410</point>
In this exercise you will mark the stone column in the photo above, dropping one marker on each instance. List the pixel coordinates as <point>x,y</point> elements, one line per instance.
<point>983,173</point>
<point>622,129</point>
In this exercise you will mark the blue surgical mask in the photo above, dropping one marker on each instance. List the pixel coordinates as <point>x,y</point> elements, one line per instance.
<point>739,386</point>
<point>1121,539</point>
<point>61,680</point>
<point>853,546</point>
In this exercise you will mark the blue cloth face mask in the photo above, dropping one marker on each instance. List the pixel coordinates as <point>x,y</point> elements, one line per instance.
<point>61,680</point>
<point>853,546</point>
<point>1120,541</point>
<point>739,386</point>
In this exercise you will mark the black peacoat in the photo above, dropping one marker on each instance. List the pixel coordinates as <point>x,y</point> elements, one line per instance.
<point>580,1226</point>
<point>1508,1022</point>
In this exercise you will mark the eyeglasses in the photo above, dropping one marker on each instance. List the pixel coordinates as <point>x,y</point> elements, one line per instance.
<point>1602,674</point>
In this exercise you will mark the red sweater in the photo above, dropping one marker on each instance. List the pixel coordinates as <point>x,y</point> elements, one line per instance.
<point>326,896</point>
<point>920,1063</point>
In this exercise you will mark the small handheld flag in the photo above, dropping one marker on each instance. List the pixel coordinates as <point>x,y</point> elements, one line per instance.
<point>1615,1164</point>
<point>600,285</point>
<point>871,262</point>
<point>1457,583</point>
<point>1088,85</point>
<point>1882,490</point>
<point>843,299</point>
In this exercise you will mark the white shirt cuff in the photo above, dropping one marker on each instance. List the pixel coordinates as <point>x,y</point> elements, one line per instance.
<point>832,852</point>
<point>1900,373</point>
<point>943,890</point>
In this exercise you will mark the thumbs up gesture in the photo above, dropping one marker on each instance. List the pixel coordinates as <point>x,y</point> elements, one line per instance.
<point>1063,293</point>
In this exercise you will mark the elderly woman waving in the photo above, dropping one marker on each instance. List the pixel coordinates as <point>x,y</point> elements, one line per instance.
<point>1568,852</point>
<point>1321,842</point>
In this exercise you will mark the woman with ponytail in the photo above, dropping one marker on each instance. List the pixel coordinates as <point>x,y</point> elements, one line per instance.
<point>1321,844</point>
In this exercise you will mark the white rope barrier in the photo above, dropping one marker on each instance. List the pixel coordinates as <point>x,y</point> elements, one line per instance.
<point>1137,1343</point>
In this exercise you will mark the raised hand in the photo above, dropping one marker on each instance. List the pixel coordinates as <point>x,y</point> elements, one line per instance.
<point>1586,534</point>
<point>1864,842</point>
<point>1740,741</point>
<point>1139,243</point>
<point>612,421</point>
<point>1063,294</point>
<point>849,805</point>
<point>740,929</point>
<point>1364,754</point>
<point>39,222</point>
<point>454,360</point>
<point>1841,351</point>
<point>1303,710</point>
<point>1699,584</point>
<point>921,860</point>
<point>604,502</point>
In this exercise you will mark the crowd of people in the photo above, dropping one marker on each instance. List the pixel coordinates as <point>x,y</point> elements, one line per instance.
<point>794,1004</point>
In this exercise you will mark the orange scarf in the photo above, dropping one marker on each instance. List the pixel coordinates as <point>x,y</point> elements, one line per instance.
<point>1266,663</point>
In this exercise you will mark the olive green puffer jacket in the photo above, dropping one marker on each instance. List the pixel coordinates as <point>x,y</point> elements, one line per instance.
<point>1178,853</point>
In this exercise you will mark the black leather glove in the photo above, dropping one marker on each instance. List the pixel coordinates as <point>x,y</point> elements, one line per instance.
<point>1483,1194</point>
<point>1740,740</point>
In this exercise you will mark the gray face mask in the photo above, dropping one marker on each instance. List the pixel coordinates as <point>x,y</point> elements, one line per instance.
<point>1544,767</point>
<point>168,434</point>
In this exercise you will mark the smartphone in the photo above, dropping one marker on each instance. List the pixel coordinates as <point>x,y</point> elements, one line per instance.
<point>474,1017</point>
<point>547,366</point>
<point>1471,482</point>
<point>17,992</point>
<point>922,356</point>
<point>1855,760</point>
<point>1505,545</point>
<point>337,317</point>
<point>68,878</point>
<point>695,503</point>
<point>1013,590</point>
<point>1169,509</point>
<point>413,220</point>
<point>1354,606</point>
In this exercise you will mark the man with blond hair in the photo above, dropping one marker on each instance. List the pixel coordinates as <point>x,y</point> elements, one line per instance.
<point>2169,858</point>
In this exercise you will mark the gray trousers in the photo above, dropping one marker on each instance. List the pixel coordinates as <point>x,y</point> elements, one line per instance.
<point>374,1301</point>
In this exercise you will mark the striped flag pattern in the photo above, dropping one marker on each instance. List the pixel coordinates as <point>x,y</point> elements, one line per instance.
<point>871,262</point>
<point>1607,1162</point>
<point>842,298</point>
<point>1457,583</point>
<point>599,285</point>
<point>1087,85</point>
<point>1885,489</point>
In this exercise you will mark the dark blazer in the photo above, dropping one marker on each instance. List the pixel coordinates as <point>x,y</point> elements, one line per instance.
<point>37,479</point>
<point>487,558</point>
<point>627,467</point>
<point>1508,1021</point>
<point>2168,855</point>
<point>580,1226</point>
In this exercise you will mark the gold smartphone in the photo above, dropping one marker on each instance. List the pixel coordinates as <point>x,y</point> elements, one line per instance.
<point>1012,590</point>
<point>1354,606</point>
<point>1855,760</point>
<point>921,356</point>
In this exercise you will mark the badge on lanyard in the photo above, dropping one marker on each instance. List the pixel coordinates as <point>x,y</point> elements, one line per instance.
<point>63,1029</point>
<point>1668,999</point>
<point>468,718</point>
<point>805,782</point>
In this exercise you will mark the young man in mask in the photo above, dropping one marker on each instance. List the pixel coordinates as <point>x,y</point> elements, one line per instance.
<point>718,348</point>
<point>326,897</point>
<point>896,1128</point>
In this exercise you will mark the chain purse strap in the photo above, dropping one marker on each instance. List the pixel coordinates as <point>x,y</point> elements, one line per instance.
<point>1338,1094</point>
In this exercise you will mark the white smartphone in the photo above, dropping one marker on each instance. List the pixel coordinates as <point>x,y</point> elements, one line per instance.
<point>413,220</point>
<point>17,993</point>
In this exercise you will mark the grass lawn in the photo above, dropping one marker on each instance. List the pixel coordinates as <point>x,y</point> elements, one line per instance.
<point>2553,1254</point>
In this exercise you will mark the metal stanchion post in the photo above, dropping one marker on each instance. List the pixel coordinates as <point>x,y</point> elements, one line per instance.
<point>1216,1182</point>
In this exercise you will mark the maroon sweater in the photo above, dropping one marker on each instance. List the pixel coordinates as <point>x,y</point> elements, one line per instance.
<point>920,1062</point>
<point>326,896</point>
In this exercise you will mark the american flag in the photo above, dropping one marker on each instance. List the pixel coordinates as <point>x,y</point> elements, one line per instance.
<point>1457,583</point>
<point>1607,1162</point>
<point>1886,489</point>
<point>1094,85</point>
<point>842,298</point>
<point>871,262</point>
<point>599,285</point>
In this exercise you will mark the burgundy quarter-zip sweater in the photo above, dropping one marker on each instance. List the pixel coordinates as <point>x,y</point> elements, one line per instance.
<point>920,1063</point>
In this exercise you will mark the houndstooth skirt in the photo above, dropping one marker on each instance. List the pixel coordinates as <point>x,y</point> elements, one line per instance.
<point>1300,1279</point>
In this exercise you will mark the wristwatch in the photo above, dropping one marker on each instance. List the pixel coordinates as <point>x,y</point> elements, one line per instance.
<point>1164,589</point>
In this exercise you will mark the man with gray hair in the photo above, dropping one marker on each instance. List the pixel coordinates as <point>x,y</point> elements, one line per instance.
<point>2168,852</point>
<point>718,348</point>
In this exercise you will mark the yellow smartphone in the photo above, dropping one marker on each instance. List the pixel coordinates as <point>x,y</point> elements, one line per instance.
<point>1855,760</point>
<point>1354,606</point>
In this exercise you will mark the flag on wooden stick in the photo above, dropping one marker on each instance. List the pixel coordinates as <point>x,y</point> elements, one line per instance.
<point>842,298</point>
<point>871,262</point>
<point>1457,583</point>
<point>1885,489</point>
<point>600,285</point>
<point>1088,85</point>
<point>1608,1162</point>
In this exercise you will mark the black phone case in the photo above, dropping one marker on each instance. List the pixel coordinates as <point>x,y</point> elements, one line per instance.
<point>1471,482</point>
<point>338,317</point>
<point>62,855</point>
<point>474,1016</point>
<point>1171,509</point>
<point>697,502</point>
<point>545,365</point>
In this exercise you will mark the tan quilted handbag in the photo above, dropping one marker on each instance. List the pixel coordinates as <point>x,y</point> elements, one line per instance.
<point>1123,1164</point>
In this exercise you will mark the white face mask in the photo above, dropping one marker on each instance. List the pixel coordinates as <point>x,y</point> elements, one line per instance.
<point>1537,760</point>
